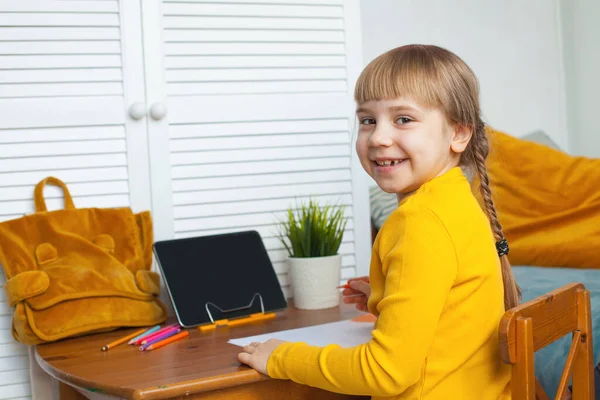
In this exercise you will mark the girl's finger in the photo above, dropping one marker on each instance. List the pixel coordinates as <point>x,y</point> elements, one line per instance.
<point>249,349</point>
<point>244,358</point>
<point>356,295</point>
<point>349,292</point>
<point>356,299</point>
<point>361,286</point>
<point>361,307</point>
<point>353,300</point>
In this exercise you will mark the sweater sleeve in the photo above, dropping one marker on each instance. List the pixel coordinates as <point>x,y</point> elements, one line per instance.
<point>419,264</point>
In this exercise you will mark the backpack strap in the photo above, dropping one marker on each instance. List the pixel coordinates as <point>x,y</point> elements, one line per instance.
<point>40,202</point>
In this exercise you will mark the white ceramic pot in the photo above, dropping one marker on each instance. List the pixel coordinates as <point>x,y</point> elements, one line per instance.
<point>314,281</point>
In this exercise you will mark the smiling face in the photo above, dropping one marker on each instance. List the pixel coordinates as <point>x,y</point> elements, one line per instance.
<point>402,144</point>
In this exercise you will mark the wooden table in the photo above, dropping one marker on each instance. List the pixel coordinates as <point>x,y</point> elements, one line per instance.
<point>202,366</point>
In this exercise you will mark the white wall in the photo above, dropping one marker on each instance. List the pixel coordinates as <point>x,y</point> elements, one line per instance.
<point>512,45</point>
<point>581,42</point>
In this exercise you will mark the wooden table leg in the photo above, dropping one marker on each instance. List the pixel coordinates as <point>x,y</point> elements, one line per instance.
<point>66,392</point>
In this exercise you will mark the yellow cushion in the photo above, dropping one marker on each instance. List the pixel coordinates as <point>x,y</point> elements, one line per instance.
<point>547,201</point>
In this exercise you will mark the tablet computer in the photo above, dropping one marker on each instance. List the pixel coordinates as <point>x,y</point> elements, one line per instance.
<point>218,277</point>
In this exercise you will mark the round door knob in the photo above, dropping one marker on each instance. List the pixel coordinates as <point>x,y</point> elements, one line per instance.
<point>158,111</point>
<point>137,110</point>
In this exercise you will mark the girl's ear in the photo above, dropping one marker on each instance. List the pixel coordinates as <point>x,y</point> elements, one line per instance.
<point>460,138</point>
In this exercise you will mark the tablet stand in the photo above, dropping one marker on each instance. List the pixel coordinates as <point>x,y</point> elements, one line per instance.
<point>255,317</point>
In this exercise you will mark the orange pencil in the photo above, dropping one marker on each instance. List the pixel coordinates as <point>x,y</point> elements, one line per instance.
<point>168,340</point>
<point>122,340</point>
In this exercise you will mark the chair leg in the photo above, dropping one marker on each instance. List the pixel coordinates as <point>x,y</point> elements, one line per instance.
<point>523,376</point>
<point>583,367</point>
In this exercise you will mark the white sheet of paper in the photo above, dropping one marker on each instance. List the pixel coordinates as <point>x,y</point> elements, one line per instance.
<point>345,333</point>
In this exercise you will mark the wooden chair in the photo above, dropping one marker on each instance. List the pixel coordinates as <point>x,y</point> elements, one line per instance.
<point>537,323</point>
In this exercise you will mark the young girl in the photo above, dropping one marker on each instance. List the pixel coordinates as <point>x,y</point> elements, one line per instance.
<point>439,279</point>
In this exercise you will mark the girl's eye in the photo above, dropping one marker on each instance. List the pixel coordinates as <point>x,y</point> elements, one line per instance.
<point>367,121</point>
<point>403,120</point>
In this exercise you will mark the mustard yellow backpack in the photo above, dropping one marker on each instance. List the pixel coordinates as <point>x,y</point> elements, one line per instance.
<point>78,270</point>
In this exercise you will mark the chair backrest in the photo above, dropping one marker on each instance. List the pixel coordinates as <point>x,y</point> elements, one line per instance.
<point>537,323</point>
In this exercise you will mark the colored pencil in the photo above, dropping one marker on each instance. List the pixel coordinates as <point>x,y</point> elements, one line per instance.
<point>146,333</point>
<point>168,340</point>
<point>157,335</point>
<point>160,337</point>
<point>121,340</point>
<point>158,332</point>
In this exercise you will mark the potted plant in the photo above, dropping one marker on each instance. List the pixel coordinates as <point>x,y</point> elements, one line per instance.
<point>312,235</point>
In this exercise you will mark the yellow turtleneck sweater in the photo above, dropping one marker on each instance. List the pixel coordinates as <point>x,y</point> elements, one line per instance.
<point>436,289</point>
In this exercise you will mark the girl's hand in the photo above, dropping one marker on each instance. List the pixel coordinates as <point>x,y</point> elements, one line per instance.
<point>257,354</point>
<point>359,292</point>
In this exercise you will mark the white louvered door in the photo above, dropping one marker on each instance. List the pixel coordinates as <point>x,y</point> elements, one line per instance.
<point>259,114</point>
<point>69,70</point>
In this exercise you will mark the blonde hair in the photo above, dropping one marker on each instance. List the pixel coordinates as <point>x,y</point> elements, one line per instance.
<point>437,78</point>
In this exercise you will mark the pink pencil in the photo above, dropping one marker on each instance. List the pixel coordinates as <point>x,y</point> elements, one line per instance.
<point>158,332</point>
<point>159,338</point>
<point>151,338</point>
